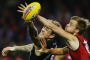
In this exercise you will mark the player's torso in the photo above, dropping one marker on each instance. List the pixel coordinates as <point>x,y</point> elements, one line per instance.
<point>82,53</point>
<point>44,56</point>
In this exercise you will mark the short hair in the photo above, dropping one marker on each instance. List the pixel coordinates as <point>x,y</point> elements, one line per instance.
<point>55,22</point>
<point>81,24</point>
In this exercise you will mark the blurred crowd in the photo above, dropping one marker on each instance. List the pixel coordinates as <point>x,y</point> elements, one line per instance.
<point>13,30</point>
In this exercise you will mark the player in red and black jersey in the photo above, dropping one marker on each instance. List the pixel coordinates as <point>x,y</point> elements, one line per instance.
<point>77,45</point>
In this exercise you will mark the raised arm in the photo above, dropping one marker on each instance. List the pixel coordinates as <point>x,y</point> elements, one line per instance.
<point>70,39</point>
<point>33,32</point>
<point>31,29</point>
<point>55,28</point>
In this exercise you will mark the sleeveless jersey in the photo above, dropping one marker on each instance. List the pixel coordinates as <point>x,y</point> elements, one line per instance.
<point>44,56</point>
<point>82,53</point>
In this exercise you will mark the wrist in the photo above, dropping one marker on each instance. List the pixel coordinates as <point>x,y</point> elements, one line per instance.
<point>46,51</point>
<point>15,48</point>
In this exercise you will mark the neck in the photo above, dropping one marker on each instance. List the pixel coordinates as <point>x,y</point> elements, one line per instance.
<point>74,33</point>
<point>49,39</point>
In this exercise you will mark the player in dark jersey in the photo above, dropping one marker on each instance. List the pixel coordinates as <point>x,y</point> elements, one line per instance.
<point>77,45</point>
<point>45,33</point>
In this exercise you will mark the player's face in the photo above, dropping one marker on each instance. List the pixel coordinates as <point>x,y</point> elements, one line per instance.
<point>71,26</point>
<point>45,32</point>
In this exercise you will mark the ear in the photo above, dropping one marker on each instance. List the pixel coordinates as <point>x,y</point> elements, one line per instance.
<point>77,30</point>
<point>52,36</point>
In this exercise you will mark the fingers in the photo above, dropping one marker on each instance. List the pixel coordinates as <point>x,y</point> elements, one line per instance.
<point>26,4</point>
<point>5,51</point>
<point>20,11</point>
<point>22,6</point>
<point>43,43</point>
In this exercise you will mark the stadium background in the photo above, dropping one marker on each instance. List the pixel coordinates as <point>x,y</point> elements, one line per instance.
<point>13,29</point>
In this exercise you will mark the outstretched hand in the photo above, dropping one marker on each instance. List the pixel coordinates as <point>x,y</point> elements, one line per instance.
<point>6,50</point>
<point>21,10</point>
<point>22,7</point>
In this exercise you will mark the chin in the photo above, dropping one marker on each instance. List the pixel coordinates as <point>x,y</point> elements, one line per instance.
<point>66,30</point>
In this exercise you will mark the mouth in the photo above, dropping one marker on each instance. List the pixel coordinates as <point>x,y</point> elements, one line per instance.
<point>41,37</point>
<point>41,34</point>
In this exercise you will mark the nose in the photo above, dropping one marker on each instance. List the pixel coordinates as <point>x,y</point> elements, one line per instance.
<point>42,30</point>
<point>68,25</point>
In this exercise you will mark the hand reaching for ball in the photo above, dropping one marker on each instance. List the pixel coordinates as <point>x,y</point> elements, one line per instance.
<point>22,7</point>
<point>29,11</point>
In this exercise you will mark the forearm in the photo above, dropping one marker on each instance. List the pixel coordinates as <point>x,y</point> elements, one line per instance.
<point>43,20</point>
<point>26,48</point>
<point>55,28</point>
<point>33,32</point>
<point>49,24</point>
<point>55,51</point>
<point>31,29</point>
<point>58,51</point>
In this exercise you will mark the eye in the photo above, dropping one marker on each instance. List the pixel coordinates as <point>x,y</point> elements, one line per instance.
<point>46,28</point>
<point>71,23</point>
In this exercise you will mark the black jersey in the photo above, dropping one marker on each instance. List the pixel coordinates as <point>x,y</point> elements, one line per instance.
<point>44,56</point>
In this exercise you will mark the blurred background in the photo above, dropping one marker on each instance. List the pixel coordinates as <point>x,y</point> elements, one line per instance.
<point>13,30</point>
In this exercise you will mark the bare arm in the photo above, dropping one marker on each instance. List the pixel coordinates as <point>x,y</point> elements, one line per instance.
<point>31,29</point>
<point>55,51</point>
<point>27,48</point>
<point>58,51</point>
<point>55,28</point>
<point>70,39</point>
